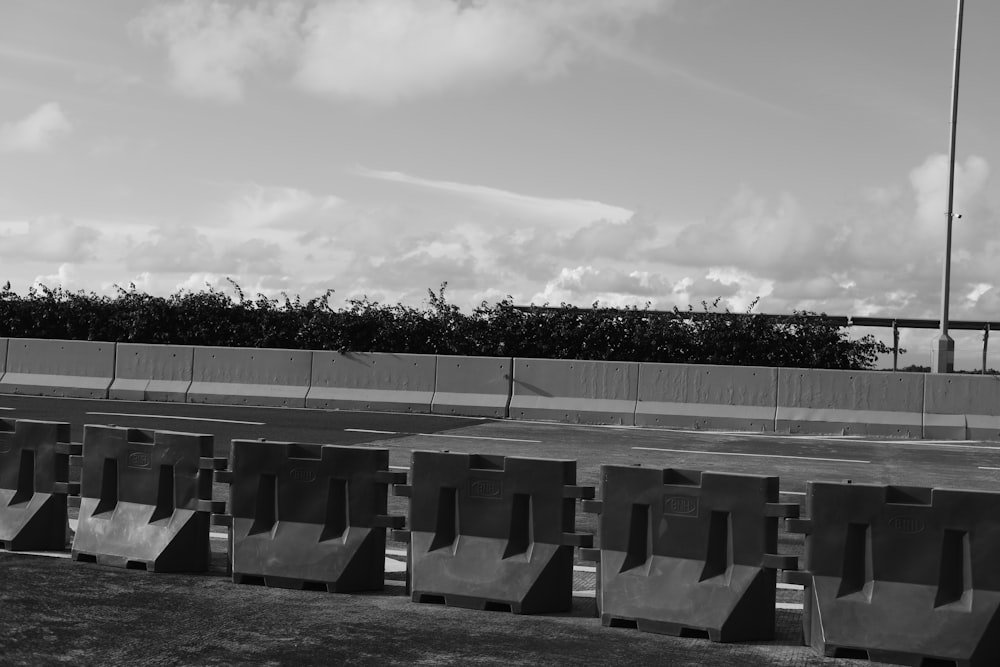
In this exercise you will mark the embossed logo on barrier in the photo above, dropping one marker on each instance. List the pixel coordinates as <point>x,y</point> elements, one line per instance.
<point>907,524</point>
<point>138,460</point>
<point>680,506</point>
<point>485,488</point>
<point>304,475</point>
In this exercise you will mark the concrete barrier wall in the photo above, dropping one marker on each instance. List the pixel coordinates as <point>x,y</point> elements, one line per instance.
<point>3,357</point>
<point>73,368</point>
<point>250,376</point>
<point>740,398</point>
<point>152,372</point>
<point>472,386</point>
<point>962,407</point>
<point>850,402</point>
<point>582,392</point>
<point>372,381</point>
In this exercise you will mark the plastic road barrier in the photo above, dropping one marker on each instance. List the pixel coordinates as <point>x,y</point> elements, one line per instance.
<point>372,381</point>
<point>850,402</point>
<point>250,376</point>
<point>583,392</point>
<point>145,499</point>
<point>686,551</point>
<point>707,397</point>
<point>308,516</point>
<point>152,372</point>
<point>905,575</point>
<point>72,368</point>
<point>34,483</point>
<point>492,532</point>
<point>473,386</point>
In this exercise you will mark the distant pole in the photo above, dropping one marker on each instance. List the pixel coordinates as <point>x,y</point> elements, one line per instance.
<point>945,344</point>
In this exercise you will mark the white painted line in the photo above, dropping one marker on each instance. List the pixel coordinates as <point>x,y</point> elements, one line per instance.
<point>476,437</point>
<point>393,565</point>
<point>368,430</point>
<point>46,554</point>
<point>393,582</point>
<point>193,419</point>
<point>73,524</point>
<point>219,536</point>
<point>791,587</point>
<point>399,468</point>
<point>395,552</point>
<point>3,408</point>
<point>765,456</point>
<point>988,468</point>
<point>791,493</point>
<point>584,594</point>
<point>788,605</point>
<point>584,568</point>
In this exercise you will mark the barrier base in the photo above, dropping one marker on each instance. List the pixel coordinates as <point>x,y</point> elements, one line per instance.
<point>37,524</point>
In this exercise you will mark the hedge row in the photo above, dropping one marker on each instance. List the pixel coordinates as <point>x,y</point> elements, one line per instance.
<point>212,317</point>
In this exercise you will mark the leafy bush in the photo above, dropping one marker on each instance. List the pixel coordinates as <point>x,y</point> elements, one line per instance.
<point>212,317</point>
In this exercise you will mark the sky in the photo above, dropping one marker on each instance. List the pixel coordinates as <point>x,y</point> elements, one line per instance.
<point>625,152</point>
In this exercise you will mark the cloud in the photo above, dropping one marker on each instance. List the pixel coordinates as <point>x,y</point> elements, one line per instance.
<point>212,46</point>
<point>36,131</point>
<point>541,209</point>
<point>187,249</point>
<point>382,51</point>
<point>49,239</point>
<point>258,206</point>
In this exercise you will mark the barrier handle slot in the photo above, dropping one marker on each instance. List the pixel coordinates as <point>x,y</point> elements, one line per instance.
<point>585,540</point>
<point>71,448</point>
<point>73,501</point>
<point>400,535</point>
<point>69,488</point>
<point>213,506</point>
<point>795,577</point>
<point>798,526</point>
<point>212,463</point>
<point>782,510</point>
<point>584,492</point>
<point>781,562</point>
<point>401,490</point>
<point>387,521</point>
<point>224,476</point>
<point>592,506</point>
<point>222,520</point>
<point>590,555</point>
<point>390,477</point>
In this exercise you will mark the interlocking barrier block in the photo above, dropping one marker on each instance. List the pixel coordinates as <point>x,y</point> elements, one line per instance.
<point>372,381</point>
<point>71,368</point>
<point>582,392</point>
<point>152,372</point>
<point>250,376</point>
<point>146,499</point>
<point>473,386</point>
<point>34,483</point>
<point>685,551</point>
<point>962,407</point>
<point>493,532</point>
<point>905,575</point>
<point>707,397</point>
<point>850,402</point>
<point>309,516</point>
<point>3,356</point>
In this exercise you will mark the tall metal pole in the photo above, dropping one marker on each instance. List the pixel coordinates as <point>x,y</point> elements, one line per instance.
<point>945,344</point>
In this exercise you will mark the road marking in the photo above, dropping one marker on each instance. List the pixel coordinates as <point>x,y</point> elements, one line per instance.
<point>3,408</point>
<point>194,419</point>
<point>46,554</point>
<point>441,435</point>
<point>988,468</point>
<point>395,552</point>
<point>399,468</point>
<point>788,605</point>
<point>584,568</point>
<point>394,582</point>
<point>765,456</point>
<point>790,587</point>
<point>791,493</point>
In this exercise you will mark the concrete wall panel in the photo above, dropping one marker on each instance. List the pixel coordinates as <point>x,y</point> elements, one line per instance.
<point>962,407</point>
<point>583,392</point>
<point>250,376</point>
<point>372,381</point>
<point>152,372</point>
<point>739,398</point>
<point>72,368</point>
<point>850,402</point>
<point>473,386</point>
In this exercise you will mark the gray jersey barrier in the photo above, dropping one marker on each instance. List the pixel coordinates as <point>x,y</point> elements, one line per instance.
<point>250,376</point>
<point>738,398</point>
<point>473,386</point>
<point>579,392</point>
<point>70,368</point>
<point>850,402</point>
<point>962,407</point>
<point>152,372</point>
<point>372,381</point>
<point>3,356</point>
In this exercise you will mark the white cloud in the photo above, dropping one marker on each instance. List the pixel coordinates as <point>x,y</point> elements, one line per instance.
<point>48,239</point>
<point>258,205</point>
<point>529,208</point>
<point>36,131</point>
<point>385,50</point>
<point>213,45</point>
